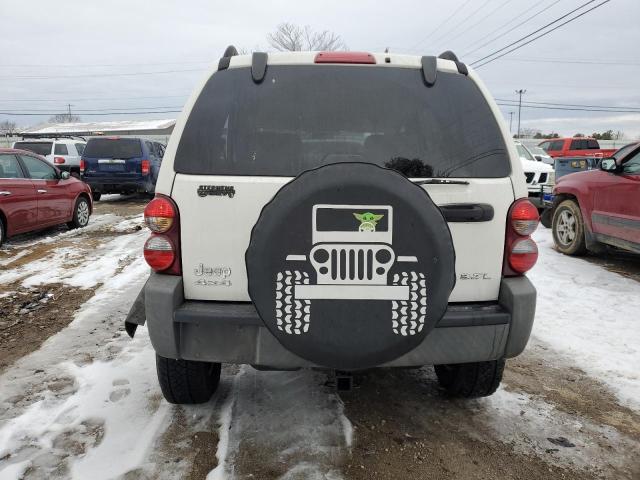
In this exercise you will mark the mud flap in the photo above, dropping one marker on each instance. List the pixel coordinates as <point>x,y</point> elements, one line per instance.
<point>137,315</point>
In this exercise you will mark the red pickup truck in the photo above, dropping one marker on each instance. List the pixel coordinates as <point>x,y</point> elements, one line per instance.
<point>600,206</point>
<point>575,147</point>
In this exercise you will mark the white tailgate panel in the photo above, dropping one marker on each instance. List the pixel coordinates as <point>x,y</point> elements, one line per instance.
<point>216,230</point>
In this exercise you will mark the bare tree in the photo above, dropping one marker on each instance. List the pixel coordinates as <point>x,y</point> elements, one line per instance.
<point>289,37</point>
<point>64,118</point>
<point>7,128</point>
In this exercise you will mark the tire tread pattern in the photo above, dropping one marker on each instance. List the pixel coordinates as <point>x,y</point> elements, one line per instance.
<point>471,380</point>
<point>186,381</point>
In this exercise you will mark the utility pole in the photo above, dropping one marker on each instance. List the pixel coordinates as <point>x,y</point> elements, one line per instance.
<point>520,93</point>
<point>69,110</point>
<point>510,122</point>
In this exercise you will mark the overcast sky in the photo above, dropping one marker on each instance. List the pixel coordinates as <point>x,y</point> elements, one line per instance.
<point>119,55</point>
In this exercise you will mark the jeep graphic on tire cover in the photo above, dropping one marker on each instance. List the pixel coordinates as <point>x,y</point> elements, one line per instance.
<point>350,265</point>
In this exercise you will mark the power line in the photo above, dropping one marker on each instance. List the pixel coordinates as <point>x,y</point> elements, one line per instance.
<point>539,36</point>
<point>470,27</point>
<point>534,32</point>
<point>89,114</point>
<point>462,22</point>
<point>419,42</point>
<point>94,65</point>
<point>567,108</point>
<point>5,100</point>
<point>103,109</point>
<point>511,29</point>
<point>568,104</point>
<point>623,63</point>
<point>130,74</point>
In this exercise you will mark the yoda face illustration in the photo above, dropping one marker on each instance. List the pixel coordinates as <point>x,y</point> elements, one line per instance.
<point>368,221</point>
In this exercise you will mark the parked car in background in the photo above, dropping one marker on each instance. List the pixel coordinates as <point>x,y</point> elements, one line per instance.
<point>64,153</point>
<point>121,165</point>
<point>538,175</point>
<point>600,206</point>
<point>36,195</point>
<point>541,155</point>
<point>575,147</point>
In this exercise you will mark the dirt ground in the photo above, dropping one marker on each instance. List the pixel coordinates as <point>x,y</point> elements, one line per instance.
<point>30,315</point>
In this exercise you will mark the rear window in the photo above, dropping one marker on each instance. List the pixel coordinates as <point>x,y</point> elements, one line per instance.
<point>60,149</point>
<point>113,148</point>
<point>79,148</point>
<point>556,145</point>
<point>302,117</point>
<point>41,148</point>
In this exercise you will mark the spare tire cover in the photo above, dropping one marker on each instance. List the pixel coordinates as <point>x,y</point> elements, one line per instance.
<point>350,265</point>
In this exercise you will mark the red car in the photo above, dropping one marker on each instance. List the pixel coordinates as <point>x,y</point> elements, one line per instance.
<point>575,147</point>
<point>35,195</point>
<point>600,206</point>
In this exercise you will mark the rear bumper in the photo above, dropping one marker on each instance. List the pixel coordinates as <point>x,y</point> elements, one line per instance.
<point>230,332</point>
<point>116,185</point>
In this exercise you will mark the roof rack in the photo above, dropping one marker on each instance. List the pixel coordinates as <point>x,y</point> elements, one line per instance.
<point>50,135</point>
<point>449,55</point>
<point>258,66</point>
<point>231,51</point>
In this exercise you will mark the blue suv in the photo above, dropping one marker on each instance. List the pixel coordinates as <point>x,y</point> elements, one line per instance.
<point>121,165</point>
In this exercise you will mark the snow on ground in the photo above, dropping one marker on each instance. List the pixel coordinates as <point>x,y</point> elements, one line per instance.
<point>290,421</point>
<point>591,316</point>
<point>97,404</point>
<point>106,256</point>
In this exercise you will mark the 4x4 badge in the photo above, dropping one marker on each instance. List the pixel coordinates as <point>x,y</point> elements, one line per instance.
<point>368,221</point>
<point>216,190</point>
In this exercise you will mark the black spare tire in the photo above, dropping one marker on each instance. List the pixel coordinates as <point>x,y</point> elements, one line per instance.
<point>350,265</point>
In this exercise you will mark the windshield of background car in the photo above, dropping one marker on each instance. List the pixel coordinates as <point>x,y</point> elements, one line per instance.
<point>524,153</point>
<point>113,148</point>
<point>303,117</point>
<point>41,148</point>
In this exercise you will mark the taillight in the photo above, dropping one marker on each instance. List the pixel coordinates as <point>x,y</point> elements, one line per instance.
<point>162,249</point>
<point>159,214</point>
<point>159,252</point>
<point>81,166</point>
<point>521,252</point>
<point>58,160</point>
<point>145,167</point>
<point>524,217</point>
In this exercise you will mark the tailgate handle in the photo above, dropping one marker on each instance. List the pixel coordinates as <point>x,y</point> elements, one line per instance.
<point>467,212</point>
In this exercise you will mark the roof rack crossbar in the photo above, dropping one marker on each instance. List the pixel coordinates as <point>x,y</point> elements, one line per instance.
<point>258,66</point>
<point>449,55</point>
<point>231,51</point>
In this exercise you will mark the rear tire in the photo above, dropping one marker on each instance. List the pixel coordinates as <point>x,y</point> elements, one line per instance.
<point>187,382</point>
<point>546,218</point>
<point>2,232</point>
<point>568,229</point>
<point>471,380</point>
<point>81,214</point>
<point>96,196</point>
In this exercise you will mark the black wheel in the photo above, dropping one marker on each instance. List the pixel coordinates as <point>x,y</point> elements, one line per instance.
<point>81,214</point>
<point>96,196</point>
<point>546,218</point>
<point>187,381</point>
<point>2,232</point>
<point>471,380</point>
<point>568,229</point>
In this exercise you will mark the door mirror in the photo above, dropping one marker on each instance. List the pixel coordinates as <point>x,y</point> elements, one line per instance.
<point>609,165</point>
<point>64,175</point>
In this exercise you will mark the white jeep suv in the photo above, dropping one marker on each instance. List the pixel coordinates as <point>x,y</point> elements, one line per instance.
<point>62,152</point>
<point>341,210</point>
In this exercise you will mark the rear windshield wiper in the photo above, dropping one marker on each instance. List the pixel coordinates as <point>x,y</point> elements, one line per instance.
<point>440,181</point>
